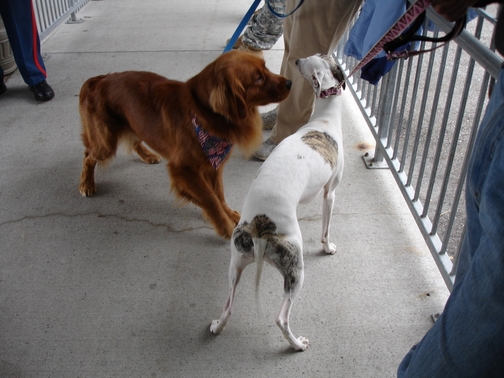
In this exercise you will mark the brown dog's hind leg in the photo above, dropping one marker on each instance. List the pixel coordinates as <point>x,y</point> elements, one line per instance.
<point>146,155</point>
<point>100,146</point>
<point>87,186</point>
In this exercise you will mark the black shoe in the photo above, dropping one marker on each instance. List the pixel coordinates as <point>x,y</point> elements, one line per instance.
<point>3,87</point>
<point>42,91</point>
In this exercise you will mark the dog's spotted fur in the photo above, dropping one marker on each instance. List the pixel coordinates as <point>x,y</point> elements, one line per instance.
<point>324,144</point>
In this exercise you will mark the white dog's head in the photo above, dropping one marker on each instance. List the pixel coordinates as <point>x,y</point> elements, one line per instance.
<point>323,73</point>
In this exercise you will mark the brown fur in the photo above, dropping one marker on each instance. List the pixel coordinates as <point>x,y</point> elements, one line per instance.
<point>136,107</point>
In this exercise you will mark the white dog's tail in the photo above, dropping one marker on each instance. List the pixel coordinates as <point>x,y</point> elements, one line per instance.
<point>259,248</point>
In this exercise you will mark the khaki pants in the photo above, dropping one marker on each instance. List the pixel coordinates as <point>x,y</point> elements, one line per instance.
<point>316,27</point>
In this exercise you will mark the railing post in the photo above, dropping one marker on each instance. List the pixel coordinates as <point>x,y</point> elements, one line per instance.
<point>383,122</point>
<point>73,15</point>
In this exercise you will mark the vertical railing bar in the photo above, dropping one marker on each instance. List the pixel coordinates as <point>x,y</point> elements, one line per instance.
<point>45,17</point>
<point>472,138</point>
<point>423,106</point>
<point>442,132</point>
<point>420,113</point>
<point>451,155</point>
<point>373,93</point>
<point>432,119</point>
<point>384,113</point>
<point>401,110</point>
<point>479,110</point>
<point>411,113</point>
<point>397,82</point>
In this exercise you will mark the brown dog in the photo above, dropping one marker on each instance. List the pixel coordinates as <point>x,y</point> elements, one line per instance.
<point>193,125</point>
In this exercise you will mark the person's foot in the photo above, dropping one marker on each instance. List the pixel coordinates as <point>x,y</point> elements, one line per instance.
<point>269,119</point>
<point>42,91</point>
<point>265,150</point>
<point>237,43</point>
<point>247,48</point>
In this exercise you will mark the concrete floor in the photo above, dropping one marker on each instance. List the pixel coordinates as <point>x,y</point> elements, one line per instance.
<point>125,284</point>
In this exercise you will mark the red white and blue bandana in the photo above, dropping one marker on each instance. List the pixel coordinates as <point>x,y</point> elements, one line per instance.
<point>215,148</point>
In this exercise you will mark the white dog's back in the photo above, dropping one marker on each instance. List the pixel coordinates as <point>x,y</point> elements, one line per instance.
<point>295,172</point>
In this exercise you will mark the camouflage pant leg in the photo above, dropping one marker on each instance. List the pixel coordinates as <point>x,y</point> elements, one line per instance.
<point>266,28</point>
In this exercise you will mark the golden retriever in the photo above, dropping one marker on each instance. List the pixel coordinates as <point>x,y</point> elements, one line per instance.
<point>192,124</point>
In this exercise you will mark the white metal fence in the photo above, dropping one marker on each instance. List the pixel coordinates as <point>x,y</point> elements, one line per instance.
<point>51,13</point>
<point>424,116</point>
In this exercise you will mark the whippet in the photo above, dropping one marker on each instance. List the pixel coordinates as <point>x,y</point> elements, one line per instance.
<point>299,168</point>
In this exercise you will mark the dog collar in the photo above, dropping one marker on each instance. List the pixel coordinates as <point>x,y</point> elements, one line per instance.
<point>215,148</point>
<point>330,92</point>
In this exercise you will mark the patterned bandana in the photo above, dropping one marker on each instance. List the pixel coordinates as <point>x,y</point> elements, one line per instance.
<point>215,148</point>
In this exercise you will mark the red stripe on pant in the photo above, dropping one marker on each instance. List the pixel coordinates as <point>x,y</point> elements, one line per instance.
<point>36,53</point>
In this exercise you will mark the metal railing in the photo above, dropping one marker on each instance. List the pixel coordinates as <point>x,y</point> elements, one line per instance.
<point>424,116</point>
<point>51,13</point>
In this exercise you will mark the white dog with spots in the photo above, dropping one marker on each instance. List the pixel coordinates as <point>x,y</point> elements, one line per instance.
<point>299,168</point>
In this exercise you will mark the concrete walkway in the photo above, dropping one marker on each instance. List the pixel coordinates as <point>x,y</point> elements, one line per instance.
<point>125,284</point>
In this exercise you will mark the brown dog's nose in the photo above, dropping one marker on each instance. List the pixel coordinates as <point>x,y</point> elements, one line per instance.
<point>288,84</point>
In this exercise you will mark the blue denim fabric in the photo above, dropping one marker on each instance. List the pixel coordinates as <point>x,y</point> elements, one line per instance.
<point>468,338</point>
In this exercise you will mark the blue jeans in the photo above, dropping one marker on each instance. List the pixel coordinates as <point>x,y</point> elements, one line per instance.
<point>468,338</point>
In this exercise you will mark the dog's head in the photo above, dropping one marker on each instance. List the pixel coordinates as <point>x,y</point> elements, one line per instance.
<point>237,82</point>
<point>321,71</point>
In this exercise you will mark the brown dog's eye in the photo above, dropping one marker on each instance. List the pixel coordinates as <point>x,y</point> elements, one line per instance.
<point>259,80</point>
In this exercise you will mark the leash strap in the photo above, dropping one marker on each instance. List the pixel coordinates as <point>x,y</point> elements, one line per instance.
<point>409,36</point>
<point>242,25</point>
<point>279,15</point>
<point>406,19</point>
<point>392,38</point>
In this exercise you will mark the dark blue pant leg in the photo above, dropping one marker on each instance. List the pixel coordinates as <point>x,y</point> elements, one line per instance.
<point>19,19</point>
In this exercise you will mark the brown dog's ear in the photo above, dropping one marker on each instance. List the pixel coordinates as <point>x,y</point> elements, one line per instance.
<point>228,98</point>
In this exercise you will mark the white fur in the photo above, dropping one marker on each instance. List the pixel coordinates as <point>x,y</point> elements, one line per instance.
<point>293,173</point>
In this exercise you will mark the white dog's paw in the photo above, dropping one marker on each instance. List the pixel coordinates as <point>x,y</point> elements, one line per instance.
<point>215,327</point>
<point>330,248</point>
<point>302,344</point>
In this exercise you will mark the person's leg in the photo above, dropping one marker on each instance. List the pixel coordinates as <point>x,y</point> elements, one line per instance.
<point>468,338</point>
<point>21,27</point>
<point>266,28</point>
<point>316,27</point>
<point>3,87</point>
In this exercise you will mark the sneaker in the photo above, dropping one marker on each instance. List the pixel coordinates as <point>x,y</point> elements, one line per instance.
<point>265,150</point>
<point>269,119</point>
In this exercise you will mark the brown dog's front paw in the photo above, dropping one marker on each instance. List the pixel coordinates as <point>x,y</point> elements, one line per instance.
<point>235,216</point>
<point>226,230</point>
<point>87,190</point>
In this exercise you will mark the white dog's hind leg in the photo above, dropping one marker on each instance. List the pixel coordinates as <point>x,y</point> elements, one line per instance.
<point>236,268</point>
<point>282,321</point>
<point>293,283</point>
<point>327,207</point>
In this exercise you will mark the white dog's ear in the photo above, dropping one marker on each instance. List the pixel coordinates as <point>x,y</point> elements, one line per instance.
<point>317,82</point>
